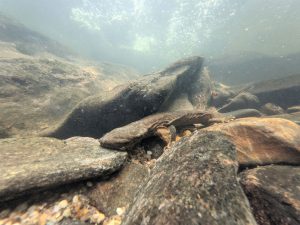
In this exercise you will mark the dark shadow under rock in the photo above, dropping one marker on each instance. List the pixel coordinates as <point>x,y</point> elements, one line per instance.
<point>194,182</point>
<point>31,164</point>
<point>119,190</point>
<point>274,194</point>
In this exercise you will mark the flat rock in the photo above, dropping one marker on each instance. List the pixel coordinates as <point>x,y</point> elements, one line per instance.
<point>274,194</point>
<point>97,115</point>
<point>38,163</point>
<point>261,141</point>
<point>284,92</point>
<point>293,109</point>
<point>242,113</point>
<point>193,183</point>
<point>119,190</point>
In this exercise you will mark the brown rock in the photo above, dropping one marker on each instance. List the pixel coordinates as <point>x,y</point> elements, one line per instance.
<point>118,191</point>
<point>262,141</point>
<point>274,194</point>
<point>194,182</point>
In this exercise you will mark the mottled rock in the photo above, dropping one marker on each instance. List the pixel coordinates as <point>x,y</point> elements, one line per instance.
<point>242,113</point>
<point>274,194</point>
<point>284,92</point>
<point>271,109</point>
<point>37,163</point>
<point>119,190</point>
<point>97,115</point>
<point>193,183</point>
<point>261,141</point>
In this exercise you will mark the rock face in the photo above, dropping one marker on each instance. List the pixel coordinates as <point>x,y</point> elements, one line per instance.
<point>119,190</point>
<point>284,92</point>
<point>31,164</point>
<point>261,141</point>
<point>274,194</point>
<point>97,115</point>
<point>193,183</point>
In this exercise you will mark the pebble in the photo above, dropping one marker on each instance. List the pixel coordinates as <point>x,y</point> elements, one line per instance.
<point>89,184</point>
<point>48,214</point>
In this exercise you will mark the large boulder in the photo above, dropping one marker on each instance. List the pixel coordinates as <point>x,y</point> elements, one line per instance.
<point>261,141</point>
<point>193,183</point>
<point>284,92</point>
<point>30,164</point>
<point>274,194</point>
<point>99,114</point>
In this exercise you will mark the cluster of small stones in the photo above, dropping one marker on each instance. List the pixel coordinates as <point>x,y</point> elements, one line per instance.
<point>78,208</point>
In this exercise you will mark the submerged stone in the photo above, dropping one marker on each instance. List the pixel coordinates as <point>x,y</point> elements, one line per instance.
<point>31,164</point>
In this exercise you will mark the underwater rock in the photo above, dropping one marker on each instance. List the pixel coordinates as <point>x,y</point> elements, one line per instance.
<point>271,109</point>
<point>284,92</point>
<point>293,109</point>
<point>221,94</point>
<point>193,183</point>
<point>99,114</point>
<point>200,90</point>
<point>30,164</point>
<point>126,137</point>
<point>274,194</point>
<point>119,190</point>
<point>243,100</point>
<point>295,117</point>
<point>244,113</point>
<point>262,141</point>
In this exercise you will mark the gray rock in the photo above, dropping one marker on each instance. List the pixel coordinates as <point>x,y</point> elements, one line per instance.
<point>200,90</point>
<point>243,100</point>
<point>293,109</point>
<point>193,183</point>
<point>97,115</point>
<point>284,92</point>
<point>271,109</point>
<point>30,164</point>
<point>274,194</point>
<point>244,113</point>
